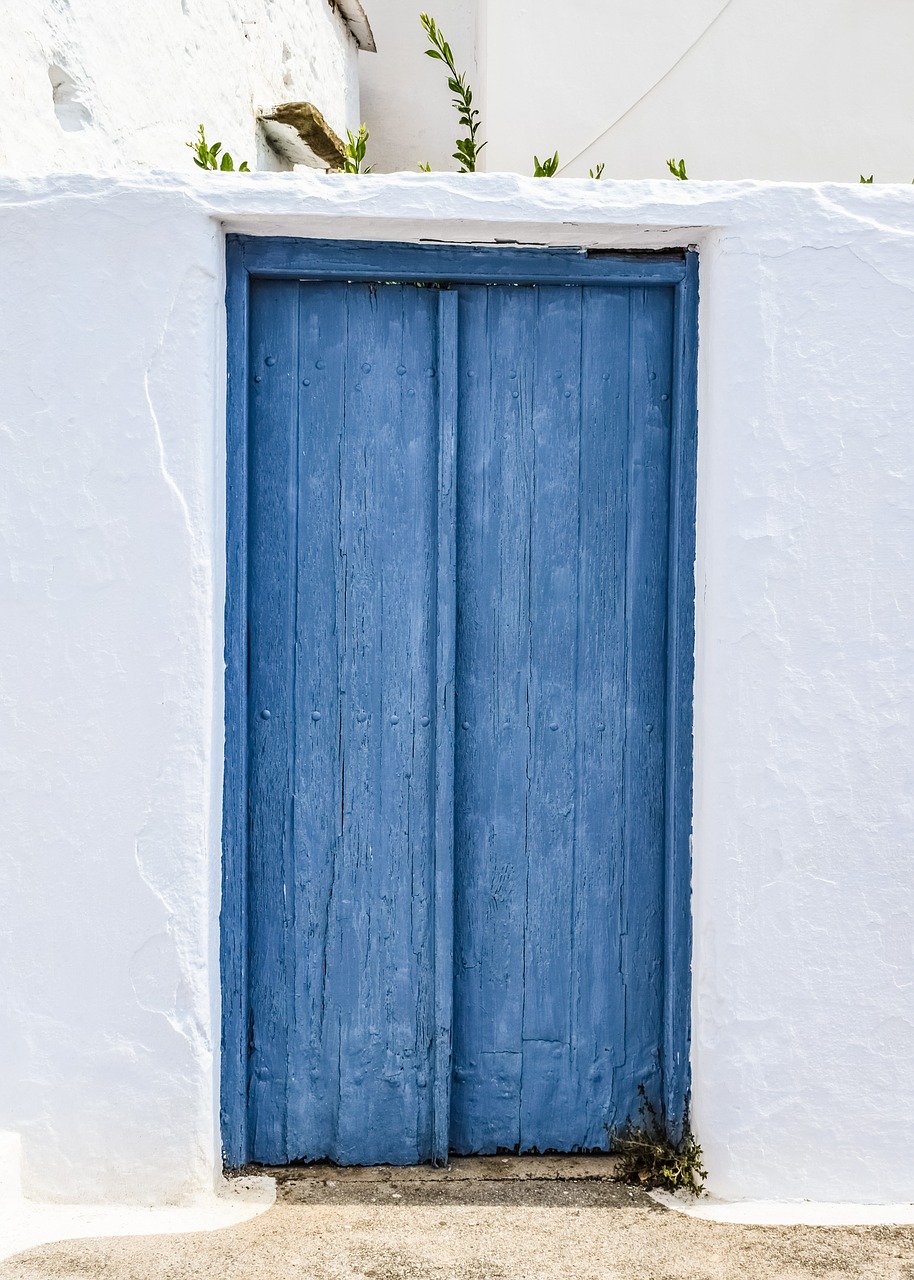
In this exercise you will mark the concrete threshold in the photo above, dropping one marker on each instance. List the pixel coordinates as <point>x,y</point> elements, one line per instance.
<point>547,1168</point>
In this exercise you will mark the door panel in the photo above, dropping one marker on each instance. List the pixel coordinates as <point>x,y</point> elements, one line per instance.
<point>344,491</point>
<point>456,821</point>
<point>563,458</point>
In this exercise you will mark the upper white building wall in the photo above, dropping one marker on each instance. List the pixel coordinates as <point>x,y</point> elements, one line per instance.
<point>819,91</point>
<point>90,84</point>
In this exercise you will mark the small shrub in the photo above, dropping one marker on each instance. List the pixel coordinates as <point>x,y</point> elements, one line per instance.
<point>598,172</point>
<point>651,1158</point>
<point>866,181</point>
<point>354,151</point>
<point>207,157</point>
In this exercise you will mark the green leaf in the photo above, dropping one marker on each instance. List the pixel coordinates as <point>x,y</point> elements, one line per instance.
<point>678,170</point>
<point>227,165</point>
<point>243,167</point>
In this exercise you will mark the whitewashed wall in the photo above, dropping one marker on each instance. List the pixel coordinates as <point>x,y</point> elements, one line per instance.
<point>815,91</point>
<point>111,591</point>
<point>95,84</point>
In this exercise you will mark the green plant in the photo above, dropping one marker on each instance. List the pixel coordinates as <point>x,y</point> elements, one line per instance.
<point>678,170</point>
<point>354,151</point>
<point>650,1157</point>
<point>545,168</point>
<point>425,168</point>
<point>468,148</point>
<point>866,181</point>
<point>598,172</point>
<point>207,157</point>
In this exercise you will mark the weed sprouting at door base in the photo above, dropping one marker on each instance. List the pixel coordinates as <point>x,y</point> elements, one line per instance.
<point>650,1157</point>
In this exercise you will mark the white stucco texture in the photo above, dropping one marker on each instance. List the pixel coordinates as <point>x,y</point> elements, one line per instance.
<point>98,86</point>
<point>25,1223</point>
<point>811,92</point>
<point>111,591</point>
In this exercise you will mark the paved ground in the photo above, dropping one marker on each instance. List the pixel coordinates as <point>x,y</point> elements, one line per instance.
<point>491,1223</point>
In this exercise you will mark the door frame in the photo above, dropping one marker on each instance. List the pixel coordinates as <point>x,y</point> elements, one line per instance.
<point>283,257</point>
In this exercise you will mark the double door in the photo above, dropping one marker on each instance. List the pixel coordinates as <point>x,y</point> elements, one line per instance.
<point>458,580</point>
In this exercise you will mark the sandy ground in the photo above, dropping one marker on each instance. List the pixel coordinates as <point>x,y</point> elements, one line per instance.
<point>329,1225</point>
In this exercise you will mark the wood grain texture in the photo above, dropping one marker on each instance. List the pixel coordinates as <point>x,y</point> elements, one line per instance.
<point>562,529</point>
<point>680,677</point>
<point>445,702</point>
<point>371,260</point>
<point>461,586</point>
<point>343,642</point>
<point>233,913</point>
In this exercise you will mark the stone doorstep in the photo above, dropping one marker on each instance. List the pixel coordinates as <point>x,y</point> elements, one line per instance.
<point>460,1169</point>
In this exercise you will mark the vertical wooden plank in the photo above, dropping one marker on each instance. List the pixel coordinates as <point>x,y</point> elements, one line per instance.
<point>382,909</point>
<point>273,366</point>
<point>314,1031</point>
<point>445,695</point>
<point>646,649</point>
<point>598,1004</point>
<point>550,1106</point>
<point>494,487</point>
<point>680,677</point>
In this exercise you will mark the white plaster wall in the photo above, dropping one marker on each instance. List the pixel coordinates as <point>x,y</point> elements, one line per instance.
<point>134,83</point>
<point>111,587</point>
<point>741,88</point>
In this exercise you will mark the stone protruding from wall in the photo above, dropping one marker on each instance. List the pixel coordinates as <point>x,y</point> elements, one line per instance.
<point>298,133</point>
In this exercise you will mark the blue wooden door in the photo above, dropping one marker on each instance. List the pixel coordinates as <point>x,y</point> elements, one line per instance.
<point>455,926</point>
<point>350,702</point>
<point>563,493</point>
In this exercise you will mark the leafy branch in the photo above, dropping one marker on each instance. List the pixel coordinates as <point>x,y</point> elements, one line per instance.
<point>207,157</point>
<point>468,148</point>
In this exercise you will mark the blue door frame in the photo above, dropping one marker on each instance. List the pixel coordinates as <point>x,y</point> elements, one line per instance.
<point>286,258</point>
